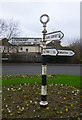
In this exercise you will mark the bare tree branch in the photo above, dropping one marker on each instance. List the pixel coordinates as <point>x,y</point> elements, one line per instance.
<point>9,29</point>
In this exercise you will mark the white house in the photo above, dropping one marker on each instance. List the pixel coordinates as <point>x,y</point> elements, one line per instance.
<point>20,45</point>
<point>24,45</point>
<point>29,48</point>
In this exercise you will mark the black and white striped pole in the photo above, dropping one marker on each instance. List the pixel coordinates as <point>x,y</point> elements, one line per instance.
<point>44,19</point>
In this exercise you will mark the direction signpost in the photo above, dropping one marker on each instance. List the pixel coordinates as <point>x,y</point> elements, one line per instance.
<point>57,35</point>
<point>65,53</point>
<point>24,41</point>
<point>52,36</point>
<point>47,38</point>
<point>54,52</point>
<point>43,101</point>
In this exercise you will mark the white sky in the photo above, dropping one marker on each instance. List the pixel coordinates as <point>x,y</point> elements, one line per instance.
<point>64,16</point>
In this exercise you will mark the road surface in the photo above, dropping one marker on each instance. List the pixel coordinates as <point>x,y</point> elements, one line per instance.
<point>35,68</point>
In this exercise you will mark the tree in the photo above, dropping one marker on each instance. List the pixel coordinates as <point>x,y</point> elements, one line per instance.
<point>77,48</point>
<point>9,28</point>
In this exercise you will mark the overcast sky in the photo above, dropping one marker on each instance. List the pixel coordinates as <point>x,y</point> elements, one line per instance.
<point>64,16</point>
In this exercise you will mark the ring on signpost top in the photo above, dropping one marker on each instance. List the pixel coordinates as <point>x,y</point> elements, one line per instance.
<point>44,19</point>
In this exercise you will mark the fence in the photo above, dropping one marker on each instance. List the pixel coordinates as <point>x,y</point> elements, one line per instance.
<point>35,58</point>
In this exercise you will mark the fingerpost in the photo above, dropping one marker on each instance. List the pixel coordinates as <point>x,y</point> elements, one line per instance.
<point>44,19</point>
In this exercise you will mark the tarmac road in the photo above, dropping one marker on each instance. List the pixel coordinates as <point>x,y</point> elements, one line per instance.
<point>35,68</point>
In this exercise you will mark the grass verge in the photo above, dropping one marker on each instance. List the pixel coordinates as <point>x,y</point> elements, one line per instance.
<point>36,79</point>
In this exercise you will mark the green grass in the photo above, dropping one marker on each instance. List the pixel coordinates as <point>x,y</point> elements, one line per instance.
<point>36,79</point>
<point>21,81</point>
<point>67,80</point>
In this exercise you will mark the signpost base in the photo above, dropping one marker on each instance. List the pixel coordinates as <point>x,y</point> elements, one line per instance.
<point>43,103</point>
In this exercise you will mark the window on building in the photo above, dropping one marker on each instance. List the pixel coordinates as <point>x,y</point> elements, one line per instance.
<point>26,50</point>
<point>21,48</point>
<point>47,51</point>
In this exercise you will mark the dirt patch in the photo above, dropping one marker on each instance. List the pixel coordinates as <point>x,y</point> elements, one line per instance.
<point>22,101</point>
